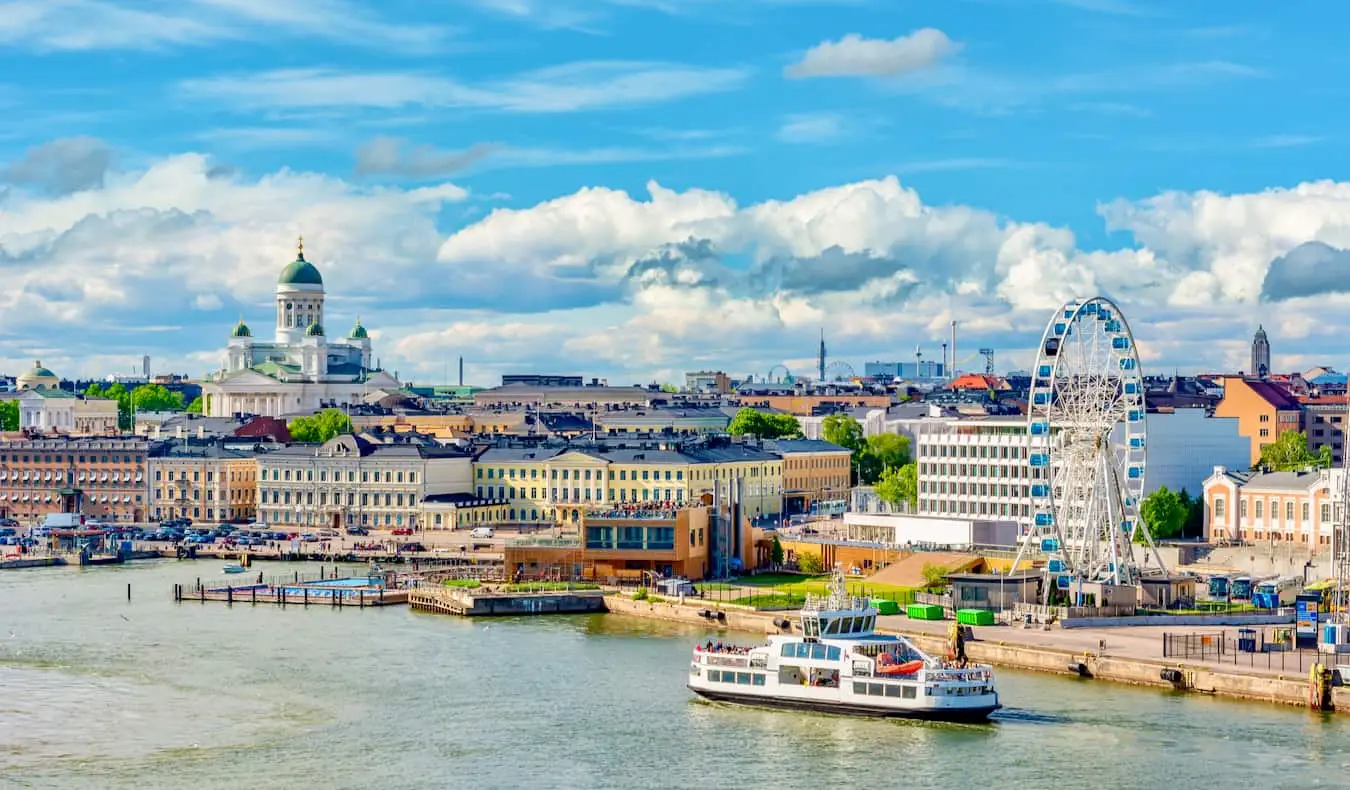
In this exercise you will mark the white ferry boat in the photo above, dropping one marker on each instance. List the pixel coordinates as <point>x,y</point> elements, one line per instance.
<point>839,665</point>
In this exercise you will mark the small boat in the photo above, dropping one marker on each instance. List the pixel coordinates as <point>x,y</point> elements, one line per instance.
<point>234,569</point>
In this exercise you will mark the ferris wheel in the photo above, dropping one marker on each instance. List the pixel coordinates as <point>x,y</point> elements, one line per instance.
<point>1087,448</point>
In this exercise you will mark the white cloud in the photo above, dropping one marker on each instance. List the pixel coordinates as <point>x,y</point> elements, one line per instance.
<point>113,24</point>
<point>566,88</point>
<point>820,127</point>
<point>855,56</point>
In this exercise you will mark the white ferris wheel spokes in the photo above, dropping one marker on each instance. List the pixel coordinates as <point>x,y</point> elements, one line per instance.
<point>1087,447</point>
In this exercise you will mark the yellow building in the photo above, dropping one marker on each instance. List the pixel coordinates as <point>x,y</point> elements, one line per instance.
<point>461,511</point>
<point>556,484</point>
<point>442,426</point>
<point>814,470</point>
<point>203,482</point>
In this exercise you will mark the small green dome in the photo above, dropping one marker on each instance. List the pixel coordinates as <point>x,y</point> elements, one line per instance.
<point>241,330</point>
<point>315,330</point>
<point>358,332</point>
<point>39,372</point>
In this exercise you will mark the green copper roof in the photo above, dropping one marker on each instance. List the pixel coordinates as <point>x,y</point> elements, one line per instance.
<point>300,271</point>
<point>358,332</point>
<point>39,372</point>
<point>241,330</point>
<point>315,330</point>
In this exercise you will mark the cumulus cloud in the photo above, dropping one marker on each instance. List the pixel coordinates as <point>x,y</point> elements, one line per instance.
<point>1309,269</point>
<point>855,56</point>
<point>61,166</point>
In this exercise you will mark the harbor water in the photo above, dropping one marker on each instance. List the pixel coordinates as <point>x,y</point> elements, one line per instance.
<point>97,691</point>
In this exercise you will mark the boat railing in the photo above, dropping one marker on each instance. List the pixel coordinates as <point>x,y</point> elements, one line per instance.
<point>716,660</point>
<point>824,603</point>
<point>970,675</point>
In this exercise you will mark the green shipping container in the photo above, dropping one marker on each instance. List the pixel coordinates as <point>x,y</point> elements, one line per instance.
<point>974,617</point>
<point>924,611</point>
<point>884,606</point>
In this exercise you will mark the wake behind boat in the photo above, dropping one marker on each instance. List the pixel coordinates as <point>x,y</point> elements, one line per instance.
<point>840,665</point>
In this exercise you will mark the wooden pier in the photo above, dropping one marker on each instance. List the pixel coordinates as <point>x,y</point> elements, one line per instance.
<point>289,595</point>
<point>481,603</point>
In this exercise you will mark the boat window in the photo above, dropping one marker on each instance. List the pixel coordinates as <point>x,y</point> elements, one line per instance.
<point>743,678</point>
<point>892,690</point>
<point>908,692</point>
<point>833,627</point>
<point>789,650</point>
<point>859,688</point>
<point>870,622</point>
<point>875,689</point>
<point>803,650</point>
<point>818,652</point>
<point>846,625</point>
<point>832,653</point>
<point>759,680</point>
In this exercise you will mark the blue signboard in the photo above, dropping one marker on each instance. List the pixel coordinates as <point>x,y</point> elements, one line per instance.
<point>1305,619</point>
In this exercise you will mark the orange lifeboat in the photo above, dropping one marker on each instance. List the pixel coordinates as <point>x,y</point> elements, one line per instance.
<point>885,666</point>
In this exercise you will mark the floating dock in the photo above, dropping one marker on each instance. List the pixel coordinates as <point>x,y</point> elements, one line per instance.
<point>357,591</point>
<point>483,603</point>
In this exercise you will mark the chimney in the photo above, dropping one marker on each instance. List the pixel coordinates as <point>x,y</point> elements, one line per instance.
<point>1219,470</point>
<point>178,431</point>
<point>201,431</point>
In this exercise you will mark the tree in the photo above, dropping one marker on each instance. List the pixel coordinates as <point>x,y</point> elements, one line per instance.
<point>1290,453</point>
<point>750,422</point>
<point>934,575</point>
<point>155,397</point>
<point>669,388</point>
<point>776,552</point>
<point>1195,515</point>
<point>810,563</point>
<point>1164,513</point>
<point>843,430</point>
<point>94,391</point>
<point>9,415</point>
<point>320,427</point>
<point>890,449</point>
<point>195,407</point>
<point>899,486</point>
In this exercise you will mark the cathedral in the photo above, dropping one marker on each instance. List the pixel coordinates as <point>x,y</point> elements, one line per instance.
<point>301,369</point>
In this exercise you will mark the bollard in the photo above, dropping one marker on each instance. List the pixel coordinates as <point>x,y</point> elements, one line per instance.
<point>305,590</point>
<point>128,591</point>
<point>297,577</point>
<point>229,596</point>
<point>255,596</point>
<point>201,592</point>
<point>199,582</point>
<point>361,599</point>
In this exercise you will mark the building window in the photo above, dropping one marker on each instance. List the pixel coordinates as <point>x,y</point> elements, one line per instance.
<point>1259,505</point>
<point>1288,511</point>
<point>1307,508</point>
<point>1326,512</point>
<point>1242,508</point>
<point>1218,507</point>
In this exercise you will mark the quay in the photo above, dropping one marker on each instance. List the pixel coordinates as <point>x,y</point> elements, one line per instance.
<point>1127,655</point>
<point>486,603</point>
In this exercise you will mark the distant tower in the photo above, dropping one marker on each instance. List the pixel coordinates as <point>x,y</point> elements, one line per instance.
<point>822,354</point>
<point>145,366</point>
<point>1260,354</point>
<point>461,371</point>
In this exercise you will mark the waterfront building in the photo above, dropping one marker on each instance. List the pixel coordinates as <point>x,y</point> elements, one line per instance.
<point>1184,445</point>
<point>203,481</point>
<point>1277,507</point>
<point>303,368</point>
<point>461,511</point>
<point>1260,354</point>
<point>707,381</point>
<point>629,543</point>
<point>814,471</point>
<point>353,481</point>
<point>975,467</point>
<point>592,397</point>
<point>37,378</point>
<point>104,478</point>
<point>1264,411</point>
<point>555,483</point>
<point>540,380</point>
<point>1324,424</point>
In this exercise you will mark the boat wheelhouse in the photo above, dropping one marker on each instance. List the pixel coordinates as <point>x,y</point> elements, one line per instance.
<point>839,664</point>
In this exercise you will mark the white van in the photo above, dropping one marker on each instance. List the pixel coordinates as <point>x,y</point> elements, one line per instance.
<point>481,532</point>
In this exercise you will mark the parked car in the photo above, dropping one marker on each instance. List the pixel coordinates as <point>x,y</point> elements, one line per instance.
<point>412,547</point>
<point>402,531</point>
<point>481,532</point>
<point>309,537</point>
<point>328,533</point>
<point>357,531</point>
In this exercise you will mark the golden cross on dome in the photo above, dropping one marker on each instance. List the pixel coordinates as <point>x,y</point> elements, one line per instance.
<point>300,244</point>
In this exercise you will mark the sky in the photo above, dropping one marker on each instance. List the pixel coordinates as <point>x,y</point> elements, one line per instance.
<point>632,189</point>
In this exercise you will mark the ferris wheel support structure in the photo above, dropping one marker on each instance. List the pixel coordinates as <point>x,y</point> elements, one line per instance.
<point>1087,447</point>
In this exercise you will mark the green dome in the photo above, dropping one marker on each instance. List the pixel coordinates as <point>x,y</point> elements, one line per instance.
<point>39,372</point>
<point>300,272</point>
<point>314,330</point>
<point>241,330</point>
<point>358,332</point>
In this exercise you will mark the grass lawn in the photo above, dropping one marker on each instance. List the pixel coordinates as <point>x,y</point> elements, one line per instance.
<point>769,601</point>
<point>549,587</point>
<point>465,583</point>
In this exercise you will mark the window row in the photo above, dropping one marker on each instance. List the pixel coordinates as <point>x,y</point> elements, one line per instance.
<point>739,678</point>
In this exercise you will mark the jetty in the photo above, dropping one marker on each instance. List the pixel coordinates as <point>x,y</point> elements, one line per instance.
<point>333,591</point>
<point>463,602</point>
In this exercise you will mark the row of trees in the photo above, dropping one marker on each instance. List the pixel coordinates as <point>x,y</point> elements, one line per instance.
<point>1172,514</point>
<point>751,422</point>
<point>320,427</point>
<point>146,397</point>
<point>883,461</point>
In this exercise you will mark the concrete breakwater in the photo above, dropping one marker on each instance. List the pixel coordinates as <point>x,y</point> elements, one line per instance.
<point>483,603</point>
<point>1002,649</point>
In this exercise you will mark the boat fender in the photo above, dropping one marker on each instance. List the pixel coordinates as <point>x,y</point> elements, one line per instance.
<point>1080,669</point>
<point>706,614</point>
<point>1171,675</point>
<point>721,617</point>
<point>783,623</point>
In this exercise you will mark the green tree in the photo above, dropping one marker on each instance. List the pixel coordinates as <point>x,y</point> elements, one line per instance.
<point>890,449</point>
<point>94,391</point>
<point>9,415</point>
<point>320,427</point>
<point>1290,453</point>
<point>843,430</point>
<point>1195,515</point>
<point>899,486</point>
<point>750,422</point>
<point>776,552</point>
<point>669,388</point>
<point>934,575</point>
<point>810,563</point>
<point>119,393</point>
<point>1164,513</point>
<point>195,407</point>
<point>155,397</point>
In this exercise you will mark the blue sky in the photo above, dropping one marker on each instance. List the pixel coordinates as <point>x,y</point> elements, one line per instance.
<point>475,177</point>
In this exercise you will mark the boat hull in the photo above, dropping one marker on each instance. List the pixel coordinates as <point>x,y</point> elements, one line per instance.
<point>958,715</point>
